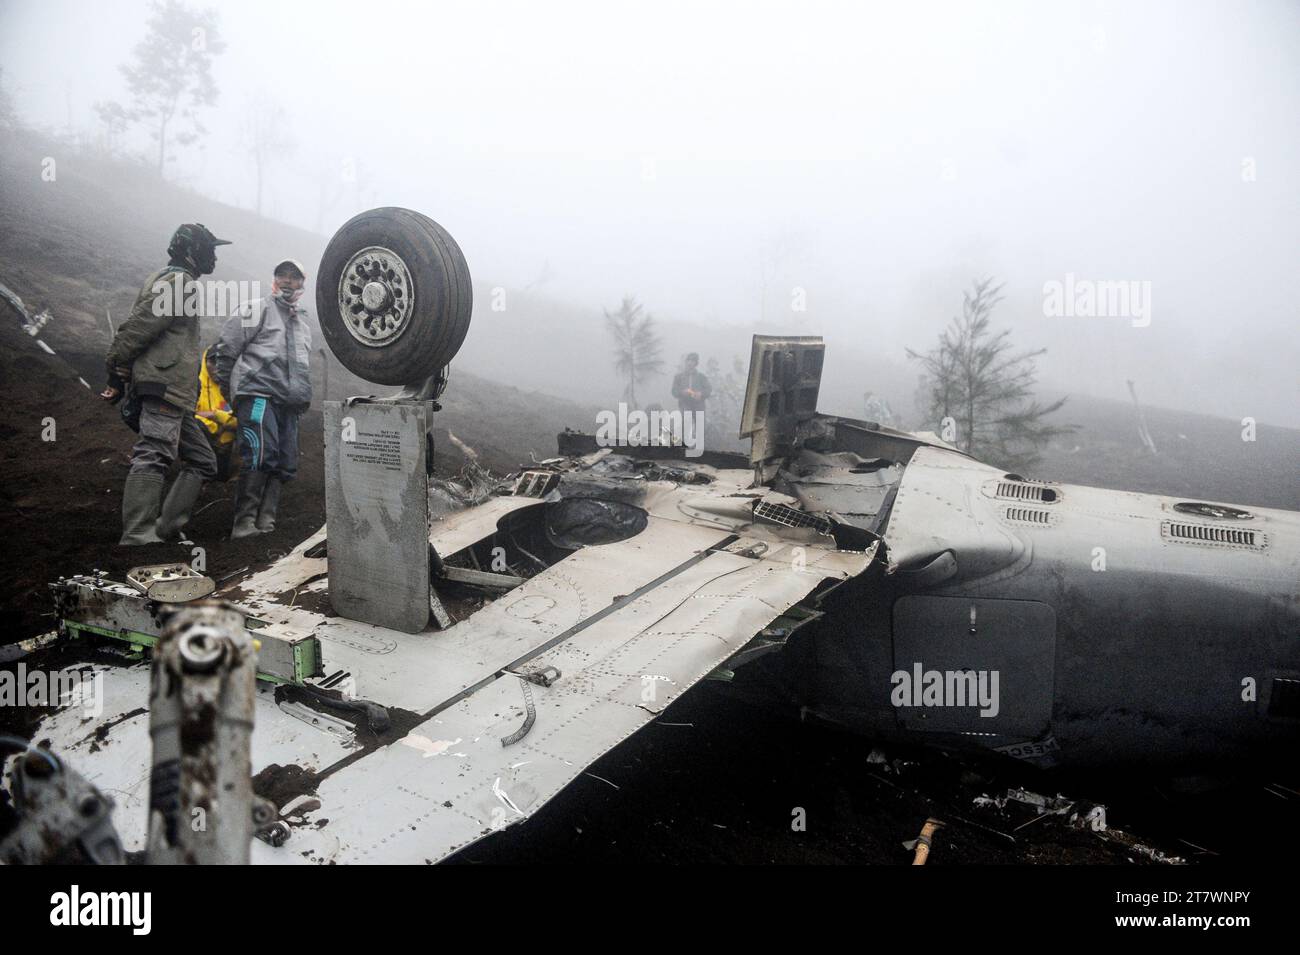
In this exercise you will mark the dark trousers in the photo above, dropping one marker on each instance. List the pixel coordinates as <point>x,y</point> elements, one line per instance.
<point>166,433</point>
<point>268,436</point>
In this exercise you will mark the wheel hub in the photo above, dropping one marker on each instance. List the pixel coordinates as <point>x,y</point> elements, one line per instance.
<point>375,296</point>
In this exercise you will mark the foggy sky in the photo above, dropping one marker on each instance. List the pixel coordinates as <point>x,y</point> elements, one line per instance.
<point>876,156</point>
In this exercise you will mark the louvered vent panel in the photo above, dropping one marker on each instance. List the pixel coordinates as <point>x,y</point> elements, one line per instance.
<point>781,514</point>
<point>535,483</point>
<point>1028,515</point>
<point>1017,491</point>
<point>1211,534</point>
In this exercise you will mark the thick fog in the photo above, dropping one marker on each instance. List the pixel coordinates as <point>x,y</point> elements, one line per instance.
<point>730,163</point>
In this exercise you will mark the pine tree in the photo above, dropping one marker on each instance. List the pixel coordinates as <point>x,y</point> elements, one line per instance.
<point>637,348</point>
<point>976,382</point>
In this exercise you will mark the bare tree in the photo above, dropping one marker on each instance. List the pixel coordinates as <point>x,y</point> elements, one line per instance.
<point>975,381</point>
<point>330,186</point>
<point>170,77</point>
<point>544,277</point>
<point>115,121</point>
<point>340,178</point>
<point>725,404</point>
<point>269,139</point>
<point>637,348</point>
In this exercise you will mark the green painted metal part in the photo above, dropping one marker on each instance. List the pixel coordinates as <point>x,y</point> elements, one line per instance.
<point>305,657</point>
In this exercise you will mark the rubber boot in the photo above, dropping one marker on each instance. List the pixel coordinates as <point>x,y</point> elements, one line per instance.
<point>270,503</point>
<point>178,504</point>
<point>248,499</point>
<point>140,500</point>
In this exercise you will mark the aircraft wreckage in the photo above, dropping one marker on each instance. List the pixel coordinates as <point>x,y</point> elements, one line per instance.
<point>438,662</point>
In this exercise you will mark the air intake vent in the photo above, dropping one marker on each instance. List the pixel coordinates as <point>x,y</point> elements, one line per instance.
<point>1025,491</point>
<point>789,517</point>
<point>535,483</point>
<point>1212,535</point>
<point>1028,515</point>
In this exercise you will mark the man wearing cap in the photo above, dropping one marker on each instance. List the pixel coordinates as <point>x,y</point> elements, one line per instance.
<point>262,362</point>
<point>155,354</point>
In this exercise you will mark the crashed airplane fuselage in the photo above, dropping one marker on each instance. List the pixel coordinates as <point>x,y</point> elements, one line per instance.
<point>1057,624</point>
<point>1080,625</point>
<point>443,659</point>
<point>889,583</point>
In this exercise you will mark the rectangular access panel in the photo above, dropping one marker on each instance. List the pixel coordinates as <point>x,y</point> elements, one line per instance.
<point>954,636</point>
<point>377,511</point>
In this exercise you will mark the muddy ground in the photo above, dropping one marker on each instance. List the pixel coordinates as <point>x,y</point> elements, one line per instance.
<point>718,780</point>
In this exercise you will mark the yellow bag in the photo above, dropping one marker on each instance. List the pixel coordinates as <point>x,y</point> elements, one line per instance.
<point>213,411</point>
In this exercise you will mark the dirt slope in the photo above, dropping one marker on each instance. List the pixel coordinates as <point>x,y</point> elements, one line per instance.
<point>78,248</point>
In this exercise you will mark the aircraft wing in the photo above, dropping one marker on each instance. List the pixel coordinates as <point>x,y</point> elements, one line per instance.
<point>627,626</point>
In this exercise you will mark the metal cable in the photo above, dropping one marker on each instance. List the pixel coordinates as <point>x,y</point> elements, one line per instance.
<point>530,716</point>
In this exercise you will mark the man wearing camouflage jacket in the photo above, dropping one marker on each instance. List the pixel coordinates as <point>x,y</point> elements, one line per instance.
<point>156,354</point>
<point>262,363</point>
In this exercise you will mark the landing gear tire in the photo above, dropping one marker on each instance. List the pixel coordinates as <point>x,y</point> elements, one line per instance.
<point>394,296</point>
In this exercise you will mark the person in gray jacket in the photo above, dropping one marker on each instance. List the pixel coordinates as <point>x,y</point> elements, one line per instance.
<point>264,354</point>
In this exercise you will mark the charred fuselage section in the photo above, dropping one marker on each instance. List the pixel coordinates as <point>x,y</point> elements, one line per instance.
<point>1051,623</point>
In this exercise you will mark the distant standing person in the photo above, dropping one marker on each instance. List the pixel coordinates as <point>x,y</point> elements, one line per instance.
<point>263,360</point>
<point>155,356</point>
<point>690,386</point>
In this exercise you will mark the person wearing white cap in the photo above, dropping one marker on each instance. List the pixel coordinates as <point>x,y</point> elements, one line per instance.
<point>262,362</point>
